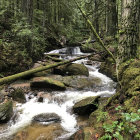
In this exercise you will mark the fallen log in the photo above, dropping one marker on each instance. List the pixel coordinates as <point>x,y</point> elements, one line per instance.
<point>14,77</point>
<point>54,59</point>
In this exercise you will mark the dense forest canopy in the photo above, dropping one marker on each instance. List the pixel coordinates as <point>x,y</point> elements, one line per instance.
<point>30,25</point>
<point>109,29</point>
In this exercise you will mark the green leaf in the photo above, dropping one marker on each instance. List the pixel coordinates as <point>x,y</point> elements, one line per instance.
<point>118,136</point>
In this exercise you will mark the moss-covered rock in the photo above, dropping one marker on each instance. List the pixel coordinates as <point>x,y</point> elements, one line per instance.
<point>47,83</point>
<point>129,94</point>
<point>72,69</point>
<point>42,73</point>
<point>108,68</point>
<point>81,82</point>
<point>77,69</point>
<point>78,82</point>
<point>18,95</point>
<point>45,117</point>
<point>86,106</point>
<point>6,111</point>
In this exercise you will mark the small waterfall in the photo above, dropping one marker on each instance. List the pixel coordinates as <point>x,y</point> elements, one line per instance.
<point>67,51</point>
<point>76,50</point>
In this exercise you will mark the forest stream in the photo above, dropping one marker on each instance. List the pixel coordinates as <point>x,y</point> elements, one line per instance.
<point>63,122</point>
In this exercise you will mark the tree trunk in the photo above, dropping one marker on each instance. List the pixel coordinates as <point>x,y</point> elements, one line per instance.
<point>96,16</point>
<point>129,33</point>
<point>98,39</point>
<point>111,18</point>
<point>14,77</point>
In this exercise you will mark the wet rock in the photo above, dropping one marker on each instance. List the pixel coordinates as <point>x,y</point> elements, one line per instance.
<point>81,82</point>
<point>40,99</point>
<point>72,69</point>
<point>40,132</point>
<point>47,83</point>
<point>18,95</point>
<point>6,111</point>
<point>86,106</point>
<point>108,68</point>
<point>42,73</point>
<point>87,133</point>
<point>2,96</point>
<point>89,62</point>
<point>47,118</point>
<point>76,69</point>
<point>96,57</point>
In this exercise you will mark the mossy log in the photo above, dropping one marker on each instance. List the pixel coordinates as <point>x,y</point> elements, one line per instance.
<point>54,59</point>
<point>98,39</point>
<point>14,77</point>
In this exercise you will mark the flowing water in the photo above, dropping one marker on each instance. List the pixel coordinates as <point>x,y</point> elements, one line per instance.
<point>26,112</point>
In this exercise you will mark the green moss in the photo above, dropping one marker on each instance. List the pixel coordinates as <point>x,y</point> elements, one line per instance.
<point>76,69</point>
<point>42,73</point>
<point>89,100</point>
<point>130,74</point>
<point>18,95</point>
<point>132,104</point>
<point>108,68</point>
<point>86,106</point>
<point>48,83</point>
<point>80,82</point>
<point>133,87</point>
<point>6,111</point>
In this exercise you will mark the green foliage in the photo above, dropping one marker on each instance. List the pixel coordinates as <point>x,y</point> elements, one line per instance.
<point>127,125</point>
<point>102,116</point>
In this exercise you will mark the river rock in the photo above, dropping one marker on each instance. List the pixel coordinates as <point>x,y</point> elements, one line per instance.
<point>47,83</point>
<point>108,68</point>
<point>72,69</point>
<point>81,82</point>
<point>86,106</point>
<point>47,118</point>
<point>40,132</point>
<point>18,95</point>
<point>6,111</point>
<point>2,96</point>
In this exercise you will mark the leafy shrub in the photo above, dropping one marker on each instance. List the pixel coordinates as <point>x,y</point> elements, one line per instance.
<point>126,126</point>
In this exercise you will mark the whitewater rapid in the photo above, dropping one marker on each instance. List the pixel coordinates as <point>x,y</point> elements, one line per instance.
<point>27,111</point>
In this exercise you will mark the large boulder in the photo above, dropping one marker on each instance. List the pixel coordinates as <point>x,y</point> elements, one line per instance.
<point>86,106</point>
<point>47,83</point>
<point>77,82</point>
<point>40,132</point>
<point>108,68</point>
<point>2,96</point>
<point>42,73</point>
<point>52,117</point>
<point>6,111</point>
<point>72,69</point>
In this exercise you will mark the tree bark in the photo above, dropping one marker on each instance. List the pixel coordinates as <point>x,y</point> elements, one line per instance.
<point>14,77</point>
<point>129,33</point>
